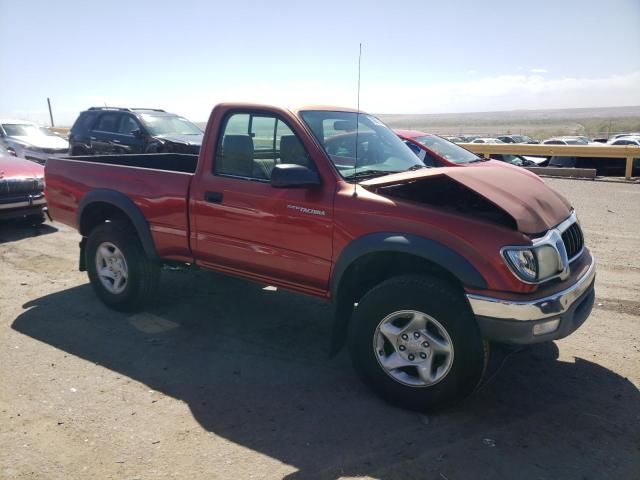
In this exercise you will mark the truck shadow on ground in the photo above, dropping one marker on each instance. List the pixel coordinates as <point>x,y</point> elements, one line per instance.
<point>253,366</point>
<point>14,230</point>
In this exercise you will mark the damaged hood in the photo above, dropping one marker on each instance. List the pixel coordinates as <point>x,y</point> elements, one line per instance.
<point>195,140</point>
<point>534,207</point>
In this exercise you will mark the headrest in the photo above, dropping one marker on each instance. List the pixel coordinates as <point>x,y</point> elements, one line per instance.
<point>237,155</point>
<point>292,151</point>
<point>240,145</point>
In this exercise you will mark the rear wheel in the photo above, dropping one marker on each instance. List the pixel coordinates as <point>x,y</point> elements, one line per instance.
<point>120,272</point>
<point>413,340</point>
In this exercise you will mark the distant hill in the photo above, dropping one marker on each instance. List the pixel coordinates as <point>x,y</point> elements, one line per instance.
<point>536,123</point>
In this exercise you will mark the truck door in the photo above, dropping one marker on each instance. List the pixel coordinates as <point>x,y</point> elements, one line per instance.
<point>243,225</point>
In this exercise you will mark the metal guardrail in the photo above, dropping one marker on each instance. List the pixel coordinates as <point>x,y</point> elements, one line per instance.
<point>628,152</point>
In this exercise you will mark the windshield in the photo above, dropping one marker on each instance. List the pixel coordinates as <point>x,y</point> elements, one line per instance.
<point>447,150</point>
<point>26,130</point>
<point>170,125</point>
<point>379,150</point>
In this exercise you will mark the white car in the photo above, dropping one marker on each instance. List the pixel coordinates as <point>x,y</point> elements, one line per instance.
<point>28,140</point>
<point>619,135</point>
<point>487,140</point>
<point>627,140</point>
<point>568,140</point>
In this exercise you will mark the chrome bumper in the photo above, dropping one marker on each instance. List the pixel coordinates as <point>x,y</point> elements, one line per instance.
<point>520,322</point>
<point>32,201</point>
<point>538,309</point>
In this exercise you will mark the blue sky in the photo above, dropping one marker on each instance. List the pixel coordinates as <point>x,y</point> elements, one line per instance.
<point>418,56</point>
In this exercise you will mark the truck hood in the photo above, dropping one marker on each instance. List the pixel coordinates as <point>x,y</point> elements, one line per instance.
<point>533,207</point>
<point>186,139</point>
<point>11,167</point>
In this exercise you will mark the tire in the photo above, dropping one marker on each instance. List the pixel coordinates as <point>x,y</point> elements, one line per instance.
<point>120,241</point>
<point>441,335</point>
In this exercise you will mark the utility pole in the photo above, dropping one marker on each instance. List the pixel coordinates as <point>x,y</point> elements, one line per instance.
<point>50,113</point>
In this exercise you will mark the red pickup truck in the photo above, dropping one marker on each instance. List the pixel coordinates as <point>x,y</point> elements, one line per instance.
<point>424,266</point>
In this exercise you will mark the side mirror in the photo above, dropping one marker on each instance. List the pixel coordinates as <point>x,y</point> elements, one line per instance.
<point>137,133</point>
<point>289,175</point>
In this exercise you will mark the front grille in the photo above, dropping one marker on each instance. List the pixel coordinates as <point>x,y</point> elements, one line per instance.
<point>573,240</point>
<point>12,186</point>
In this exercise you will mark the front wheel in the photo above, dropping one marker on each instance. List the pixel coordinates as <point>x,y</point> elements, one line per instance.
<point>413,340</point>
<point>121,274</point>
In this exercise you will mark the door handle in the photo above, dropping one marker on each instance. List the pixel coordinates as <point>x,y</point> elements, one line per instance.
<point>92,138</point>
<point>213,197</point>
<point>115,141</point>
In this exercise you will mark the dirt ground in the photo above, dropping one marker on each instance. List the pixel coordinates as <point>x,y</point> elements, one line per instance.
<point>225,379</point>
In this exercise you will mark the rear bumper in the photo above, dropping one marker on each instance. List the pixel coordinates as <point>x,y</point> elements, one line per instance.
<point>509,321</point>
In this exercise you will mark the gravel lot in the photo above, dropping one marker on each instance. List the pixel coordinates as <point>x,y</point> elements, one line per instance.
<point>224,379</point>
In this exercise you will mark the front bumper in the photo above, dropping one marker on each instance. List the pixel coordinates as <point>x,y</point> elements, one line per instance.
<point>20,206</point>
<point>509,321</point>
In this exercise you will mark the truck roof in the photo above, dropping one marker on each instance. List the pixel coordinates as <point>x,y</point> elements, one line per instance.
<point>327,108</point>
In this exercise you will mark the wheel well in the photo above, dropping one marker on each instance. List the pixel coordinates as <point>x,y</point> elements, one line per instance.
<point>368,271</point>
<point>371,269</point>
<point>97,213</point>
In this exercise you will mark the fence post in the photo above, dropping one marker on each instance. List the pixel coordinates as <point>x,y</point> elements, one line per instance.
<point>629,168</point>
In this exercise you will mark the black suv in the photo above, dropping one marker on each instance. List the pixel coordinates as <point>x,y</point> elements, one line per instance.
<point>109,130</point>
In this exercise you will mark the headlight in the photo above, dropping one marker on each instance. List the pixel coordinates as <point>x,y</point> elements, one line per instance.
<point>548,261</point>
<point>533,264</point>
<point>523,263</point>
<point>40,182</point>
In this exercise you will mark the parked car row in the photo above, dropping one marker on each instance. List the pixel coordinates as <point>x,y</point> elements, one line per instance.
<point>436,151</point>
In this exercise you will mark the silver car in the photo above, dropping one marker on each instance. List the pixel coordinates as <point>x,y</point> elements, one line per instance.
<point>28,140</point>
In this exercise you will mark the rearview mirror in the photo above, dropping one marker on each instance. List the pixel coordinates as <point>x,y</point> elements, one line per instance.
<point>289,175</point>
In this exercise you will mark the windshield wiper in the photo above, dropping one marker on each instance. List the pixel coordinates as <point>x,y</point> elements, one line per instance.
<point>370,173</point>
<point>480,159</point>
<point>415,167</point>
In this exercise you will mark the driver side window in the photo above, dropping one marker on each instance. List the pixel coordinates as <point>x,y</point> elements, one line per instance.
<point>251,144</point>
<point>128,125</point>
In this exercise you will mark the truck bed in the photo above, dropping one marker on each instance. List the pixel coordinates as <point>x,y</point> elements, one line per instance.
<point>158,184</point>
<point>171,162</point>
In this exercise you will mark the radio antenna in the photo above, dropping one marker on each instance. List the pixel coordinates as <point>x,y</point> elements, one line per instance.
<point>355,166</point>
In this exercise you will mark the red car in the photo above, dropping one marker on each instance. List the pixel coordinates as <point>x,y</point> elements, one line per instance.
<point>424,266</point>
<point>436,151</point>
<point>21,189</point>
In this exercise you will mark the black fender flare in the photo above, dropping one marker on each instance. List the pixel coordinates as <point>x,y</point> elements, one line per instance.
<point>428,249</point>
<point>130,209</point>
<point>386,242</point>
